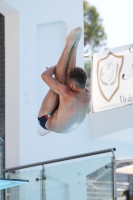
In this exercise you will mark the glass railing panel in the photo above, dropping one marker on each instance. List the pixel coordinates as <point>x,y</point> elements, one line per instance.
<point>31,190</point>
<point>86,179</point>
<point>99,184</point>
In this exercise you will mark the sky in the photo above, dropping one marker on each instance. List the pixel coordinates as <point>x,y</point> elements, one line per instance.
<point>117,18</point>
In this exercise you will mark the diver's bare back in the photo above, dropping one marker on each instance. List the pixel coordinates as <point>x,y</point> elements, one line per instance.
<point>71,112</point>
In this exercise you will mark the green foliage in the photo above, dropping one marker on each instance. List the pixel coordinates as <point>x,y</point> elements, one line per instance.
<point>87,67</point>
<point>94,34</point>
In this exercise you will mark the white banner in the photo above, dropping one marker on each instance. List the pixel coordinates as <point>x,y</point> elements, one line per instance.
<point>112,78</point>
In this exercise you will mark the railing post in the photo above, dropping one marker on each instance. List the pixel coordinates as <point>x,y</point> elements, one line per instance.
<point>3,191</point>
<point>114,176</point>
<point>43,183</point>
<point>7,190</point>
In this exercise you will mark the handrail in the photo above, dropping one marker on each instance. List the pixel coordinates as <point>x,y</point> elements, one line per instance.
<point>59,160</point>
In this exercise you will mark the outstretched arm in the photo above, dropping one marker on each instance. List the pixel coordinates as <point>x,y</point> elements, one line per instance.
<point>53,83</point>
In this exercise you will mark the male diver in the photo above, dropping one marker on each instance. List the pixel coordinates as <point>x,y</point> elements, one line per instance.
<point>65,105</point>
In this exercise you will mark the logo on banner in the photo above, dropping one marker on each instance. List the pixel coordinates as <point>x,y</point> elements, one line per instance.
<point>131,48</point>
<point>108,75</point>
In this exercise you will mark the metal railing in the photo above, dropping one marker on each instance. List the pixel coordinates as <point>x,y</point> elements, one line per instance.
<point>13,169</point>
<point>59,160</point>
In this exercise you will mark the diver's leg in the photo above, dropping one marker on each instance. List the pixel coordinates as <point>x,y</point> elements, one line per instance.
<point>72,57</point>
<point>51,100</point>
<point>65,57</point>
<point>49,104</point>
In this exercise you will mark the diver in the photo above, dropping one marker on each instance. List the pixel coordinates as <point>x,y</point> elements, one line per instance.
<point>65,106</point>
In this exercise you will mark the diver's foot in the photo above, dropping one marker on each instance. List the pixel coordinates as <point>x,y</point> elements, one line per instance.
<point>73,36</point>
<point>78,38</point>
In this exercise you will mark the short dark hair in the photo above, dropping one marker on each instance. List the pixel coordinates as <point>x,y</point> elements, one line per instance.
<point>79,75</point>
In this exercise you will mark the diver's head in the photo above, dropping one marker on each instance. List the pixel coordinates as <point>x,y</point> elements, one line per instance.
<point>77,78</point>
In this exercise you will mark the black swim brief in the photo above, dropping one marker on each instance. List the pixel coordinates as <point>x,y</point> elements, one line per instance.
<point>42,120</point>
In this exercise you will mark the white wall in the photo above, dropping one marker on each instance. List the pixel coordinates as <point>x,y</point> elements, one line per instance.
<point>33,147</point>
